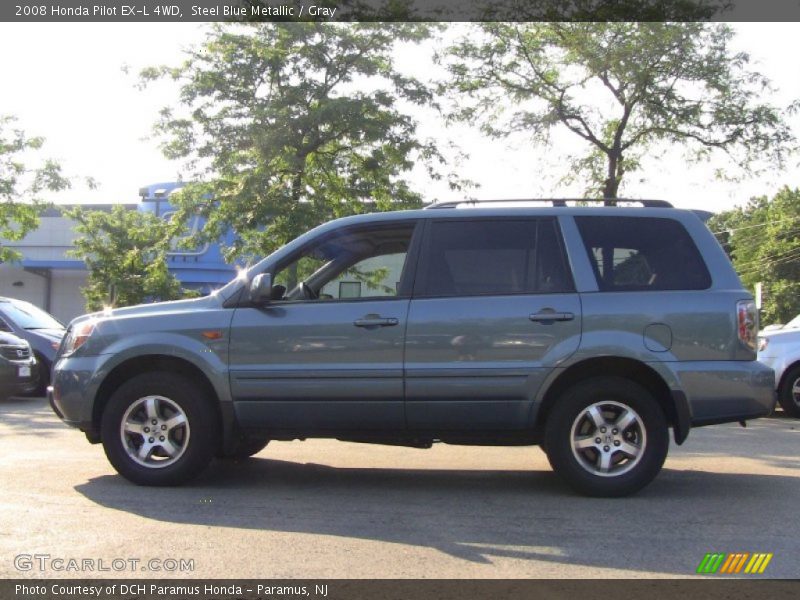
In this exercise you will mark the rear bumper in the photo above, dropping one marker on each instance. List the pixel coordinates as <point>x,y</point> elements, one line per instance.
<point>726,391</point>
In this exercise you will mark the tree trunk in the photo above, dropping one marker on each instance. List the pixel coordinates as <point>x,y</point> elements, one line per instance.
<point>611,184</point>
<point>610,191</point>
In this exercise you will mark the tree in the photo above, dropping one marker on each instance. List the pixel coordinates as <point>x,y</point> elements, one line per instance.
<point>286,126</point>
<point>763,241</point>
<point>21,184</point>
<point>624,89</point>
<point>125,252</point>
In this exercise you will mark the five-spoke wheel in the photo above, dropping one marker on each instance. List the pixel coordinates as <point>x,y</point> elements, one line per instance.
<point>606,436</point>
<point>155,431</point>
<point>159,428</point>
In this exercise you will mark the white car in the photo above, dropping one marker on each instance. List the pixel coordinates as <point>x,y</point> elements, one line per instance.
<point>780,349</point>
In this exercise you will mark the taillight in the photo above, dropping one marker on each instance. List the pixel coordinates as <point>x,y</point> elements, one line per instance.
<point>747,322</point>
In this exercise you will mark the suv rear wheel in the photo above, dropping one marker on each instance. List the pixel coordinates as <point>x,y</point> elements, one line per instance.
<point>607,436</point>
<point>159,429</point>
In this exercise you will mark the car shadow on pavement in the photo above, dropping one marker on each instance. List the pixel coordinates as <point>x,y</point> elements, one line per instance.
<point>29,415</point>
<point>478,515</point>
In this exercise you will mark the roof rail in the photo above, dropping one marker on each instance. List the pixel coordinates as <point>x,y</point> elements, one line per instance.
<point>553,202</point>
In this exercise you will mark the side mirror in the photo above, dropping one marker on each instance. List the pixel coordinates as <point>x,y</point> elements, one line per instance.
<point>261,288</point>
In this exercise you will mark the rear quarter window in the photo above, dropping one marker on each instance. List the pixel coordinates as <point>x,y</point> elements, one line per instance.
<point>642,253</point>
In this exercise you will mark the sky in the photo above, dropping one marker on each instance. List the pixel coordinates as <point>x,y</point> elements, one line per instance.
<point>75,85</point>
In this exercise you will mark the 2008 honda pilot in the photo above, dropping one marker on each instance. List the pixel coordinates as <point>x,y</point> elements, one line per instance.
<point>588,330</point>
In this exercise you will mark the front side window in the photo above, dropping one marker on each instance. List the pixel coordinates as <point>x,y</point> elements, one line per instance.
<point>642,253</point>
<point>347,265</point>
<point>484,257</point>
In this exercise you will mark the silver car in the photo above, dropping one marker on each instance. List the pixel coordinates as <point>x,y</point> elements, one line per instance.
<point>780,350</point>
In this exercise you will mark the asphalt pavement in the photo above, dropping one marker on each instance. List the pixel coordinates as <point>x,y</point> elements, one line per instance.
<point>328,509</point>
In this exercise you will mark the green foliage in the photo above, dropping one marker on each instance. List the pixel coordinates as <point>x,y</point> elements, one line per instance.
<point>625,89</point>
<point>21,184</point>
<point>125,252</point>
<point>763,241</point>
<point>286,126</point>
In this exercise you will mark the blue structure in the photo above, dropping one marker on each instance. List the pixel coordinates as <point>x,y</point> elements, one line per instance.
<point>52,280</point>
<point>202,268</point>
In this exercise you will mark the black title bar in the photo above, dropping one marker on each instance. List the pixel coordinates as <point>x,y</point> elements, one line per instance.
<point>396,589</point>
<point>396,10</point>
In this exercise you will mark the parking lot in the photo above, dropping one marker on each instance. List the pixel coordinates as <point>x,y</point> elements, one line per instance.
<point>335,510</point>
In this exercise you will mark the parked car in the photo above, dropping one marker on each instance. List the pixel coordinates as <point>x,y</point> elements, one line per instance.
<point>42,331</point>
<point>780,350</point>
<point>18,367</point>
<point>588,330</point>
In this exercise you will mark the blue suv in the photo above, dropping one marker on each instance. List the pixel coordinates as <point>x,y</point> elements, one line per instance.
<point>590,331</point>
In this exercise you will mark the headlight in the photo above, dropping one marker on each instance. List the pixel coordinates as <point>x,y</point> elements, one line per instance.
<point>763,342</point>
<point>77,336</point>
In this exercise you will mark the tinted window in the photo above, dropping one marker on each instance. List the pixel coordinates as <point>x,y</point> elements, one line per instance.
<point>630,253</point>
<point>466,258</point>
<point>28,316</point>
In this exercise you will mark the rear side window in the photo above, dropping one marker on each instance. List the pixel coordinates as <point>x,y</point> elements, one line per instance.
<point>473,258</point>
<point>642,253</point>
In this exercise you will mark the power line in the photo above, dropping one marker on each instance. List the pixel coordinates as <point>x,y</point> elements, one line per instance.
<point>767,257</point>
<point>731,230</point>
<point>771,263</point>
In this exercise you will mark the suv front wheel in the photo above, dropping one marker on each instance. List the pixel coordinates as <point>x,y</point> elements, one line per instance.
<point>607,436</point>
<point>159,429</point>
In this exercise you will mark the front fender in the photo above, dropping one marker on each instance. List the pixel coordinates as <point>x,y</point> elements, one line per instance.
<point>208,356</point>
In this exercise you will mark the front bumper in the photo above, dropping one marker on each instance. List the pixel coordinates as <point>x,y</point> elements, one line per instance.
<point>11,384</point>
<point>72,392</point>
<point>777,364</point>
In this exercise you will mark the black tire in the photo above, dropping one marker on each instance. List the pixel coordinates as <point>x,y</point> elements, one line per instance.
<point>787,397</point>
<point>605,468</point>
<point>42,376</point>
<point>244,449</point>
<point>185,448</point>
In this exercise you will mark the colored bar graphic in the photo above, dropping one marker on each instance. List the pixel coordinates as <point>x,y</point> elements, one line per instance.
<point>733,563</point>
<point>711,563</point>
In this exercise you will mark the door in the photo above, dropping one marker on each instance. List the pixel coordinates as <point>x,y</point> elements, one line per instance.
<point>326,354</point>
<point>494,310</point>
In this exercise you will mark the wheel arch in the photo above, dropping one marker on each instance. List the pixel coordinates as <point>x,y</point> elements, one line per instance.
<point>157,362</point>
<point>673,403</point>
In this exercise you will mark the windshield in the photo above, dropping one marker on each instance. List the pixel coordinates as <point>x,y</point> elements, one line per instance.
<point>793,324</point>
<point>27,316</point>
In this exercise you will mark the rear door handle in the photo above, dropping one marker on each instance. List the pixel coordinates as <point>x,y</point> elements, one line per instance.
<point>551,317</point>
<point>376,321</point>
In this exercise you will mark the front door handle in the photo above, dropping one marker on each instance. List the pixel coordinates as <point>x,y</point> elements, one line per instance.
<point>551,316</point>
<point>375,321</point>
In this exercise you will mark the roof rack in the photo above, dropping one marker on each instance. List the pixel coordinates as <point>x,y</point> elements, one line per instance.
<point>553,202</point>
